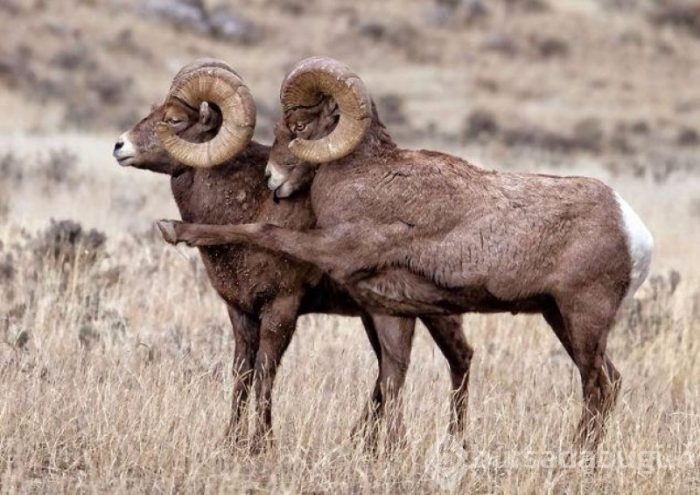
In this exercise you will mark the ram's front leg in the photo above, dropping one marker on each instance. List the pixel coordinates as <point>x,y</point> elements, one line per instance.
<point>246,334</point>
<point>277,326</point>
<point>341,250</point>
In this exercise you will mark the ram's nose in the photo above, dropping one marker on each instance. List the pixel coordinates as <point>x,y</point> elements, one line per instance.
<point>123,150</point>
<point>274,176</point>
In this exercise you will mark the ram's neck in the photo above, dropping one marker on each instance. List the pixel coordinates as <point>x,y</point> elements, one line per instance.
<point>377,142</point>
<point>229,193</point>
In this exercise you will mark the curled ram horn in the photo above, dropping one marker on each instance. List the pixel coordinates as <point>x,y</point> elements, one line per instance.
<point>202,63</point>
<point>316,76</point>
<point>215,82</point>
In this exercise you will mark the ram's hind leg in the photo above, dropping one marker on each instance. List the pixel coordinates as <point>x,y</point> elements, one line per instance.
<point>587,318</point>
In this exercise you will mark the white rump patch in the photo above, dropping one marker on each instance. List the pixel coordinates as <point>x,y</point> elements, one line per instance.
<point>639,243</point>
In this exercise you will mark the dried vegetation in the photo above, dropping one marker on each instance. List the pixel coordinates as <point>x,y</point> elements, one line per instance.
<point>114,350</point>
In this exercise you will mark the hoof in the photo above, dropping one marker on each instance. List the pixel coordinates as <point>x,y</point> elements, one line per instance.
<point>167,230</point>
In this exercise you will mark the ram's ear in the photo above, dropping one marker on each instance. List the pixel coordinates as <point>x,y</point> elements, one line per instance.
<point>210,117</point>
<point>206,115</point>
<point>331,111</point>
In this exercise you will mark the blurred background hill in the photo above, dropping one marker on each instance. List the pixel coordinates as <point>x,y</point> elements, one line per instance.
<point>621,77</point>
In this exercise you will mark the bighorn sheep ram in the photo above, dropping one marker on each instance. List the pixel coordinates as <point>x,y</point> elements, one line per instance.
<point>416,233</point>
<point>201,136</point>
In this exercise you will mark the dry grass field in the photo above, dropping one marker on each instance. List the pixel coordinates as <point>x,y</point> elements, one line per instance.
<point>115,352</point>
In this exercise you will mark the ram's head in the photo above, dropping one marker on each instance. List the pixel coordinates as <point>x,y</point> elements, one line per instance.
<point>207,118</point>
<point>327,113</point>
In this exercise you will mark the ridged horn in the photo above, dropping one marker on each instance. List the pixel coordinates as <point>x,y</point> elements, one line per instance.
<point>216,83</point>
<point>200,64</point>
<point>302,87</point>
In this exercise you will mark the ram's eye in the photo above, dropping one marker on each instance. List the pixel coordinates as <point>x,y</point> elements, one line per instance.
<point>299,126</point>
<point>173,120</point>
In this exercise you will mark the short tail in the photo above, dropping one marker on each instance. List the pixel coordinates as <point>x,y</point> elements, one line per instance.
<point>640,244</point>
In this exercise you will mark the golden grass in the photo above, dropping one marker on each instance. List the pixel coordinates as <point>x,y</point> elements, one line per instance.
<point>124,383</point>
